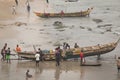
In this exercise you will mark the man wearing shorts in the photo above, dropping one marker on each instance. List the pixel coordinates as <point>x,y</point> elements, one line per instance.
<point>37,56</point>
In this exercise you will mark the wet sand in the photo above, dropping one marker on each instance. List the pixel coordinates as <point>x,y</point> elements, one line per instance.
<point>67,70</point>
<point>28,30</point>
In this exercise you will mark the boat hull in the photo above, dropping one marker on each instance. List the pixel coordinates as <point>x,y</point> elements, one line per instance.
<point>91,64</point>
<point>74,14</point>
<point>73,53</point>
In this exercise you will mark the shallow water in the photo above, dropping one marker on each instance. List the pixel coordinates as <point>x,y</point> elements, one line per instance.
<point>42,33</point>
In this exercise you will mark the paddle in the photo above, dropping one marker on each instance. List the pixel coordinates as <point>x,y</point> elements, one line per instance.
<point>34,49</point>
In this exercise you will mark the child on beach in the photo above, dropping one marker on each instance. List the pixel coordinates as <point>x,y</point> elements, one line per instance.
<point>28,75</point>
<point>8,55</point>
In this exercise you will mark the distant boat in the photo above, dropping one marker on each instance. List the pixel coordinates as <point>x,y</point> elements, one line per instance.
<point>91,64</point>
<point>72,0</point>
<point>63,14</point>
<point>73,53</point>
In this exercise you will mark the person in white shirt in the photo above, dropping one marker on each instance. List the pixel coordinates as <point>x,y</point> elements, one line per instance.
<point>37,56</point>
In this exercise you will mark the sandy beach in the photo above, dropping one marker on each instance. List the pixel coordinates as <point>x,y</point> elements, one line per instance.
<point>28,29</point>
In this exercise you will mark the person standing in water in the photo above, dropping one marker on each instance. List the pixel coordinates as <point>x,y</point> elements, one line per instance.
<point>57,57</point>
<point>8,55</point>
<point>37,56</point>
<point>41,54</point>
<point>81,58</point>
<point>4,51</point>
<point>18,49</point>
<point>28,8</point>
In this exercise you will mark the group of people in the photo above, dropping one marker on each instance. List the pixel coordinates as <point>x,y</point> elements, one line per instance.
<point>67,46</point>
<point>39,56</point>
<point>14,7</point>
<point>6,52</point>
<point>58,53</point>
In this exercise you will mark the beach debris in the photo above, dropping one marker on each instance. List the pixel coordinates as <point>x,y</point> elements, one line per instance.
<point>89,29</point>
<point>57,43</point>
<point>107,8</point>
<point>45,25</point>
<point>71,27</point>
<point>109,29</point>
<point>61,30</point>
<point>1,27</point>
<point>49,41</point>
<point>99,26</point>
<point>82,27</point>
<point>15,23</point>
<point>20,23</point>
<point>97,20</point>
<point>102,32</point>
<point>41,29</point>
<point>58,23</point>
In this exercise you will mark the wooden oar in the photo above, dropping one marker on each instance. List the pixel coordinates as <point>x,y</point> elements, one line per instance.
<point>34,49</point>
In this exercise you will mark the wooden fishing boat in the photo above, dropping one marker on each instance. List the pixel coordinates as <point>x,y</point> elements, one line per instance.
<point>71,0</point>
<point>91,50</point>
<point>73,53</point>
<point>31,55</point>
<point>91,64</point>
<point>62,14</point>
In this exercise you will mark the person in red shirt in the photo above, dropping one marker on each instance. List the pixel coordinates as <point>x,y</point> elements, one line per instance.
<point>18,49</point>
<point>81,57</point>
<point>62,13</point>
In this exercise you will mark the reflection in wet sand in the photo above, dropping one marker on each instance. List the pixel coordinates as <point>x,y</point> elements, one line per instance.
<point>66,67</point>
<point>48,70</point>
<point>57,73</point>
<point>82,73</point>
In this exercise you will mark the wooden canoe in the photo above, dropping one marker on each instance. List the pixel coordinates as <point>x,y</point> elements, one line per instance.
<point>72,0</point>
<point>88,51</point>
<point>92,64</point>
<point>91,50</point>
<point>73,14</point>
<point>31,55</point>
